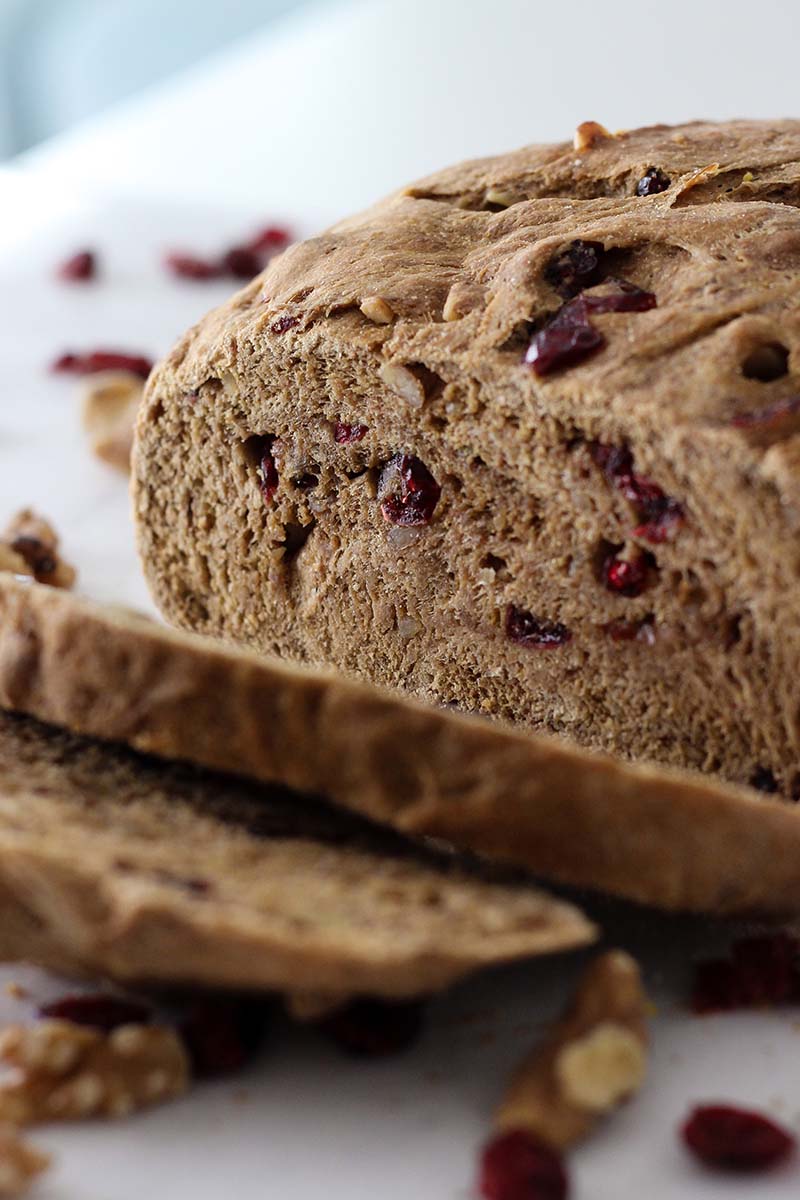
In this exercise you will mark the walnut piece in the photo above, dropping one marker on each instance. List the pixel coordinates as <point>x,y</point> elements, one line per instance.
<point>64,1071</point>
<point>589,132</point>
<point>403,383</point>
<point>33,541</point>
<point>697,177</point>
<point>20,1162</point>
<point>594,1058</point>
<point>377,310</point>
<point>110,403</point>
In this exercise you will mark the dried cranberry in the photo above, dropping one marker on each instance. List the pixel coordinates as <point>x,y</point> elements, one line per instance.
<point>664,515</point>
<point>632,631</point>
<point>284,323</point>
<point>101,1010</point>
<point>660,515</point>
<point>223,1034</point>
<point>241,262</point>
<point>189,266</point>
<point>267,470</point>
<point>370,1028</point>
<point>626,577</point>
<point>652,182</point>
<point>771,417</point>
<point>409,492</point>
<point>762,971</point>
<point>564,342</point>
<point>269,240</point>
<point>525,629</point>
<point>575,267</point>
<point>517,1166</point>
<point>626,298</point>
<point>735,1139</point>
<point>346,434</point>
<point>78,268</point>
<point>102,360</point>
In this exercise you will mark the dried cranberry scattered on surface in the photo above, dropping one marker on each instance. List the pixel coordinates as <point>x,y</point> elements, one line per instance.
<point>525,629</point>
<point>270,240</point>
<point>267,470</point>
<point>410,493</point>
<point>652,182</point>
<point>223,1034</point>
<point>190,266</point>
<point>370,1028</point>
<point>762,971</point>
<point>735,1139</point>
<point>625,577</point>
<point>241,262</point>
<point>575,267</point>
<point>346,434</point>
<point>101,1010</point>
<point>102,360</point>
<point>517,1166</point>
<point>78,268</point>
<point>284,323</point>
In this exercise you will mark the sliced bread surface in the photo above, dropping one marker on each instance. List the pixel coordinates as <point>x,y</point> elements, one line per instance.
<point>670,838</point>
<point>127,866</point>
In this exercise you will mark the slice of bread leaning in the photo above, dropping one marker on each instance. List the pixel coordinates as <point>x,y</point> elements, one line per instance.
<point>130,867</point>
<point>660,836</point>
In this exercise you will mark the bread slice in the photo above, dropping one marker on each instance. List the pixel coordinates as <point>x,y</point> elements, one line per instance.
<point>385,454</point>
<point>664,837</point>
<point>123,865</point>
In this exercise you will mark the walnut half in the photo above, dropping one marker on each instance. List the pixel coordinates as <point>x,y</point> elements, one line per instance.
<point>594,1058</point>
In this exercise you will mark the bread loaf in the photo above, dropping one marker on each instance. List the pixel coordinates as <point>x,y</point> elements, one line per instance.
<point>525,439</point>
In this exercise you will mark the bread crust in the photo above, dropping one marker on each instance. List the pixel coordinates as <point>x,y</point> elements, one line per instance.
<point>663,837</point>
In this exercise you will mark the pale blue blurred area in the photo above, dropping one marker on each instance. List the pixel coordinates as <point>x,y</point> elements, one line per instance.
<point>62,60</point>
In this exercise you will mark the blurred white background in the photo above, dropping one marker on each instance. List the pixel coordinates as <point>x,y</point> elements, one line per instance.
<point>188,123</point>
<point>324,107</point>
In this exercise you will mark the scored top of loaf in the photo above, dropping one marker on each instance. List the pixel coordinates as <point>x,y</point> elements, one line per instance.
<point>720,250</point>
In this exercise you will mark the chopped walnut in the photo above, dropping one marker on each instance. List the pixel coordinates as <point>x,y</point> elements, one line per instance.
<point>498,197</point>
<point>697,177</point>
<point>403,383</point>
<point>594,1058</point>
<point>377,310</point>
<point>20,1162</point>
<point>110,403</point>
<point>589,132</point>
<point>65,1071</point>
<point>33,540</point>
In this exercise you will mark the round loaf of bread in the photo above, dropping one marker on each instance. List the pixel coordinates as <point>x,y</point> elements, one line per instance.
<point>523,438</point>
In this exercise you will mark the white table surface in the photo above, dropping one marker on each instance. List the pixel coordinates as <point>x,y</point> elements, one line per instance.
<point>329,114</point>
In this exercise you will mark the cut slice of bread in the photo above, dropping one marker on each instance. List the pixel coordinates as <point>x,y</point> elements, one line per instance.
<point>660,836</point>
<point>127,866</point>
